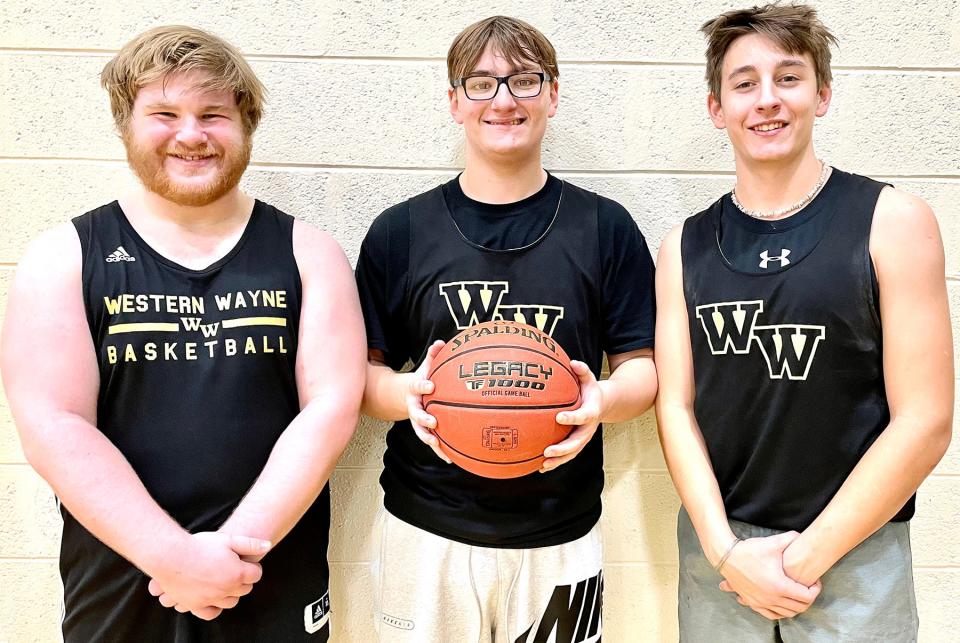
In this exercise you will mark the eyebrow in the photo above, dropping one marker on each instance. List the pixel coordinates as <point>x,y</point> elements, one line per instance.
<point>513,70</point>
<point>164,105</point>
<point>787,62</point>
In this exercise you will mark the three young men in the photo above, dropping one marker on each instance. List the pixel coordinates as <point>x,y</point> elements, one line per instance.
<point>181,407</point>
<point>805,363</point>
<point>460,557</point>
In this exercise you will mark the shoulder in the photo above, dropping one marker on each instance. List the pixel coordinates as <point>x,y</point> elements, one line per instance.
<point>902,219</point>
<point>390,219</point>
<point>56,252</point>
<point>315,249</point>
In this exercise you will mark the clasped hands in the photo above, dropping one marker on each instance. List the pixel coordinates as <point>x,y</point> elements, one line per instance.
<point>208,572</point>
<point>584,419</point>
<point>769,576</point>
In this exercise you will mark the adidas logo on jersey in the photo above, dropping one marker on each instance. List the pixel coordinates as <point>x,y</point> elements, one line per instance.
<point>317,614</point>
<point>119,255</point>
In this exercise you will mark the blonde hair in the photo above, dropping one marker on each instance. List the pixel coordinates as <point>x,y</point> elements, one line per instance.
<point>516,40</point>
<point>174,49</point>
<point>795,28</point>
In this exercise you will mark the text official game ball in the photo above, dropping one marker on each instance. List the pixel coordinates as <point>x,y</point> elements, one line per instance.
<point>498,387</point>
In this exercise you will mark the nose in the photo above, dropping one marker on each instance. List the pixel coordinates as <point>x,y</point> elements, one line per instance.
<point>503,97</point>
<point>769,99</point>
<point>191,132</point>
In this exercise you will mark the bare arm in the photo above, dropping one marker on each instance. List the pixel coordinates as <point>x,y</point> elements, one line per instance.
<point>52,381</point>
<point>330,379</point>
<point>754,568</point>
<point>918,371</point>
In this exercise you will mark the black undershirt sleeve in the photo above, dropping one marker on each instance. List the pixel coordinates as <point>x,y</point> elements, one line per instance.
<point>381,281</point>
<point>628,300</point>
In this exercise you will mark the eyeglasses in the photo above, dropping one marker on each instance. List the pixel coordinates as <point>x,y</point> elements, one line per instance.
<point>526,84</point>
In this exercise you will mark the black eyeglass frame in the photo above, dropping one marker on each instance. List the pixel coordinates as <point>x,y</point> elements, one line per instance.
<point>503,80</point>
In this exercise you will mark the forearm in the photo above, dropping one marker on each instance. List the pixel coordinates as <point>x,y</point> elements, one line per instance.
<point>102,491</point>
<point>299,466</point>
<point>888,474</point>
<point>630,390</point>
<point>689,464</point>
<point>384,395</point>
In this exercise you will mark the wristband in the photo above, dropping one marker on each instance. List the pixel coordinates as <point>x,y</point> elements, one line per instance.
<point>723,559</point>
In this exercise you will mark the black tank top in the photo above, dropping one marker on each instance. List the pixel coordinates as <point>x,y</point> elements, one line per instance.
<point>788,363</point>
<point>196,385</point>
<point>553,283</point>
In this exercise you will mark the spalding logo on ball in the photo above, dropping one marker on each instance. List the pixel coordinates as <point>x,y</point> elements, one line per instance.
<point>498,387</point>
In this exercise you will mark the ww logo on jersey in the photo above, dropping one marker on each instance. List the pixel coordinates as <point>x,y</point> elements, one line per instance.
<point>474,302</point>
<point>788,349</point>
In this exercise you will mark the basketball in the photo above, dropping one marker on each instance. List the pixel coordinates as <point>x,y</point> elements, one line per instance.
<point>498,387</point>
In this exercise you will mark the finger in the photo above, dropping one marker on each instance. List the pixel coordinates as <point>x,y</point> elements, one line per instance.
<point>549,464</point>
<point>431,440</point>
<point>572,444</point>
<point>799,592</point>
<point>420,387</point>
<point>207,613</point>
<point>227,602</point>
<point>582,371</point>
<point>782,612</point>
<point>166,600</point>
<point>423,419</point>
<point>582,416</point>
<point>181,609</point>
<point>154,588</point>
<point>790,605</point>
<point>726,587</point>
<point>435,348</point>
<point>784,539</point>
<point>252,573</point>
<point>766,613</point>
<point>248,546</point>
<point>243,590</point>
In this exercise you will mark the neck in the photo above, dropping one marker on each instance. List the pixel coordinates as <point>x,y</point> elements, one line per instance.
<point>225,213</point>
<point>502,182</point>
<point>767,186</point>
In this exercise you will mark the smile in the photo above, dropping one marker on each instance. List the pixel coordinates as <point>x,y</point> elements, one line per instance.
<point>768,127</point>
<point>513,121</point>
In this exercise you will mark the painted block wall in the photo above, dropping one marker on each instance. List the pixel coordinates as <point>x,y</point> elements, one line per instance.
<point>357,121</point>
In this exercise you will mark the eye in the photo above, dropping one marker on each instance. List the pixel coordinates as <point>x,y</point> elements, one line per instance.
<point>744,84</point>
<point>210,117</point>
<point>165,114</point>
<point>789,78</point>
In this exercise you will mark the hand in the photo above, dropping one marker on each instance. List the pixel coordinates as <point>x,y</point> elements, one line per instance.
<point>206,575</point>
<point>754,570</point>
<point>800,564</point>
<point>423,423</point>
<point>585,419</point>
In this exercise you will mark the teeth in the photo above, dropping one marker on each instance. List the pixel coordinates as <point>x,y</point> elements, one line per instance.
<point>768,127</point>
<point>515,121</point>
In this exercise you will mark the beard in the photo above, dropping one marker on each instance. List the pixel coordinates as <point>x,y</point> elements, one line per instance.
<point>147,163</point>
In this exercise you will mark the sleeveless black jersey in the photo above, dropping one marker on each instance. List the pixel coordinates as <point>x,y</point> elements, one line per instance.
<point>788,363</point>
<point>452,283</point>
<point>196,385</point>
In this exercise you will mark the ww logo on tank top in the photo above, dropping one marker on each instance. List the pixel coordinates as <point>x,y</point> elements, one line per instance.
<point>789,349</point>
<point>474,302</point>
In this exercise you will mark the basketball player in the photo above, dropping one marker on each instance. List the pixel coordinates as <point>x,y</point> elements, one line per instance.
<point>804,351</point>
<point>166,357</point>
<point>461,557</point>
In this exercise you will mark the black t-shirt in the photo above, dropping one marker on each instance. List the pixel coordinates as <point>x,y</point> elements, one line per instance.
<point>569,261</point>
<point>788,362</point>
<point>627,268</point>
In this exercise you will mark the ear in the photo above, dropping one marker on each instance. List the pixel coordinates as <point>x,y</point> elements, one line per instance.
<point>454,97</point>
<point>554,97</point>
<point>824,95</point>
<point>716,111</point>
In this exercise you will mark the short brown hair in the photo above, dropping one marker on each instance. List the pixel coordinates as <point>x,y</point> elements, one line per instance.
<point>159,52</point>
<point>516,40</point>
<point>795,28</point>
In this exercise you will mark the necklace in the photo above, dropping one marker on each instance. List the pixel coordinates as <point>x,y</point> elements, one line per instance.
<point>529,245</point>
<point>756,214</point>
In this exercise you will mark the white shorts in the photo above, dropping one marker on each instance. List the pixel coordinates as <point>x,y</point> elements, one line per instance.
<point>428,589</point>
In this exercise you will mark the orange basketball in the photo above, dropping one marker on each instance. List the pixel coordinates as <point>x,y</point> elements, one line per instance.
<point>498,387</point>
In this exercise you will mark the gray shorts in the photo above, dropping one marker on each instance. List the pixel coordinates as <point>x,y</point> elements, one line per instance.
<point>867,596</point>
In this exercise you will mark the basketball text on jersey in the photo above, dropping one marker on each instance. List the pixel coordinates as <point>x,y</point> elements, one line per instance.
<point>788,349</point>
<point>474,302</point>
<point>573,619</point>
<point>193,335</point>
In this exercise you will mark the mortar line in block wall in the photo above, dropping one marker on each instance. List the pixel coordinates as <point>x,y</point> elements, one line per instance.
<point>420,169</point>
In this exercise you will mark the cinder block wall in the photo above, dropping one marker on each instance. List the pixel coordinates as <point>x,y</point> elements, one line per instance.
<point>357,121</point>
